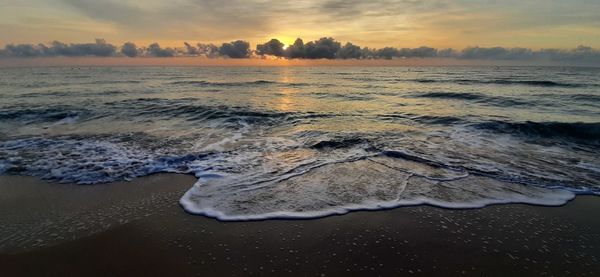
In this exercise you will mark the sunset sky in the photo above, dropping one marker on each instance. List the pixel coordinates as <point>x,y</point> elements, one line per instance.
<point>374,23</point>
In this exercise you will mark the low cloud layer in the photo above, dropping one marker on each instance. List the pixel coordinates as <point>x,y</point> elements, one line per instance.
<point>324,48</point>
<point>100,48</point>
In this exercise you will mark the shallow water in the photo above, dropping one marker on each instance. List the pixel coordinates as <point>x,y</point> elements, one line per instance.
<point>311,141</point>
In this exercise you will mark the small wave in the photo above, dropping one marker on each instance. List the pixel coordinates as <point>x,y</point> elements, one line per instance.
<point>189,108</point>
<point>406,156</point>
<point>477,97</point>
<point>110,82</point>
<point>339,143</point>
<point>585,97</point>
<point>41,85</point>
<point>426,119</point>
<point>579,130</point>
<point>38,115</point>
<point>192,110</point>
<point>538,83</point>
<point>48,93</point>
<point>445,120</point>
<point>223,84</point>
<point>427,81</point>
<point>452,95</point>
<point>78,76</point>
<point>349,97</point>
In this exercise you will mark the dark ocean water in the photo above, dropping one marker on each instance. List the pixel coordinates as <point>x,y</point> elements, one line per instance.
<point>311,141</point>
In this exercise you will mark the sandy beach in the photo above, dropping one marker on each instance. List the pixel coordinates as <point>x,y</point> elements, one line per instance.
<point>138,228</point>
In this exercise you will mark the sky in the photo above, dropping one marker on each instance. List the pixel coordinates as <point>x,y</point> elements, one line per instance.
<point>374,23</point>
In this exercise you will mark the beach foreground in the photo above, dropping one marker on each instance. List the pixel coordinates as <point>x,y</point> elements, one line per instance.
<point>138,228</point>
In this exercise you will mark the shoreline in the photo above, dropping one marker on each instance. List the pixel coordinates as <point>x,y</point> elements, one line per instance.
<point>138,227</point>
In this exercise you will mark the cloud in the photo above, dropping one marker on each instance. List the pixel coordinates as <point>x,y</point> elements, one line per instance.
<point>154,50</point>
<point>353,9</point>
<point>581,54</point>
<point>238,49</point>
<point>323,48</point>
<point>208,50</point>
<point>350,51</point>
<point>109,10</point>
<point>496,53</point>
<point>421,52</point>
<point>24,50</point>
<point>100,48</point>
<point>190,50</point>
<point>209,19</point>
<point>296,50</point>
<point>387,53</point>
<point>273,47</point>
<point>130,50</point>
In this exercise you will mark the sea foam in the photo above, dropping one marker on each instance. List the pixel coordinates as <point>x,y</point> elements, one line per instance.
<point>339,188</point>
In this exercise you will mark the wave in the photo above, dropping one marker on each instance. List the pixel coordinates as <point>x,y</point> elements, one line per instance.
<point>578,130</point>
<point>111,82</point>
<point>234,84</point>
<point>233,186</point>
<point>444,120</point>
<point>335,176</point>
<point>452,95</point>
<point>189,109</point>
<point>343,96</point>
<point>477,97</point>
<point>41,114</point>
<point>585,97</point>
<point>537,83</point>
<point>339,143</point>
<point>93,159</point>
<point>425,119</point>
<point>151,109</point>
<point>384,182</point>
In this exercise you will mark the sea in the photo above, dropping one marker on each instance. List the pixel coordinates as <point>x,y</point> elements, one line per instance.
<point>306,142</point>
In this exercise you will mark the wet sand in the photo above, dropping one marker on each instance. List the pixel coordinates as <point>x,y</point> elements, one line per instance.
<point>138,228</point>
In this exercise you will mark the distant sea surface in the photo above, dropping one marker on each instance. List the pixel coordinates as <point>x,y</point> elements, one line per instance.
<point>299,142</point>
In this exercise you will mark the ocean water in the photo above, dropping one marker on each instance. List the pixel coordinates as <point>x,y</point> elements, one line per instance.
<point>311,141</point>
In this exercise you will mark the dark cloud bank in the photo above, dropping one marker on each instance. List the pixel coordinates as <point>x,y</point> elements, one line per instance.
<point>324,48</point>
